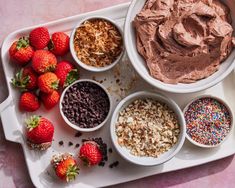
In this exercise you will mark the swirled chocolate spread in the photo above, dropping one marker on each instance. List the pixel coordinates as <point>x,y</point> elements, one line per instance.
<point>184,41</point>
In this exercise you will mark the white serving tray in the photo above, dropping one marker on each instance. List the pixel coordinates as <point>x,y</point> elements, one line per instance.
<point>38,162</point>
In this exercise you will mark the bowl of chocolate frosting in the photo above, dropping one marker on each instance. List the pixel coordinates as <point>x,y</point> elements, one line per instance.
<point>181,46</point>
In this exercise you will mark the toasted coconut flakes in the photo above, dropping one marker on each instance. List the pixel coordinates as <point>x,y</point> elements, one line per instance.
<point>98,43</point>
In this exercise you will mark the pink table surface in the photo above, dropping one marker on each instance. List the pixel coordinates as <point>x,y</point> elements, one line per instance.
<point>15,14</point>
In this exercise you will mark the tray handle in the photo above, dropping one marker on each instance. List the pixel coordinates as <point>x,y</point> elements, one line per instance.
<point>9,121</point>
<point>5,104</point>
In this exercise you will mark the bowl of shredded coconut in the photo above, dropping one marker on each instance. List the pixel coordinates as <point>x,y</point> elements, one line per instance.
<point>96,44</point>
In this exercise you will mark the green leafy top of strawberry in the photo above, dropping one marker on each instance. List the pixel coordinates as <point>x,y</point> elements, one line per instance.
<point>50,68</point>
<point>71,172</point>
<point>71,77</point>
<point>23,42</point>
<point>33,122</point>
<point>55,85</point>
<point>20,81</point>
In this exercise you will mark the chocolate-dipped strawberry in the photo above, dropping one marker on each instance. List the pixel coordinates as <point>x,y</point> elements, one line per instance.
<point>65,166</point>
<point>39,132</point>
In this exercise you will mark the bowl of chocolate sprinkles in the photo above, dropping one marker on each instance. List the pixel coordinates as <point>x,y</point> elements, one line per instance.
<point>85,105</point>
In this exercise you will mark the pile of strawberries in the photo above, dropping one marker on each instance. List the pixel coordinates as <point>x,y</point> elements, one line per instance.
<point>39,79</point>
<point>40,75</point>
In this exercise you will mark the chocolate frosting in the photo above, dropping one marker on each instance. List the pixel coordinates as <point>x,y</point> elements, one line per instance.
<point>183,40</point>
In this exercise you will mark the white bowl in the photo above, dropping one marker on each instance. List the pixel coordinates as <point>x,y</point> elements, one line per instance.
<point>83,65</point>
<point>148,161</point>
<point>76,126</point>
<point>229,110</point>
<point>140,66</point>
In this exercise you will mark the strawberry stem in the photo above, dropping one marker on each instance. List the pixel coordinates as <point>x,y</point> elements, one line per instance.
<point>71,77</point>
<point>55,85</point>
<point>20,81</point>
<point>32,122</point>
<point>23,42</point>
<point>71,172</point>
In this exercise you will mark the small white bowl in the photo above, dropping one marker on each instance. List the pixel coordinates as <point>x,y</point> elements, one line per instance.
<point>148,161</point>
<point>83,65</point>
<point>140,65</point>
<point>222,102</point>
<point>76,126</point>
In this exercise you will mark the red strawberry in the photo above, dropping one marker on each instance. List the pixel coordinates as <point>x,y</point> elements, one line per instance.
<point>48,82</point>
<point>66,73</point>
<point>21,51</point>
<point>50,100</point>
<point>59,43</point>
<point>29,102</point>
<point>44,61</point>
<point>39,133</point>
<point>65,166</point>
<point>25,79</point>
<point>90,153</point>
<point>39,38</point>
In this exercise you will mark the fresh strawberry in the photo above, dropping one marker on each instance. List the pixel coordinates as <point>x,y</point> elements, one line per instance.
<point>25,79</point>
<point>65,166</point>
<point>48,82</point>
<point>44,61</point>
<point>21,51</point>
<point>39,133</point>
<point>59,43</point>
<point>66,72</point>
<point>50,100</point>
<point>39,38</point>
<point>90,153</point>
<point>29,102</point>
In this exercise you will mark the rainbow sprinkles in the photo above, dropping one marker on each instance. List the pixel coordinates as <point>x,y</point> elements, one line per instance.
<point>208,121</point>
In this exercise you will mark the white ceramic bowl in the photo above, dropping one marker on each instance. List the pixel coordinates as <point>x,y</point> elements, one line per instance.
<point>140,66</point>
<point>83,65</point>
<point>75,126</point>
<point>148,161</point>
<point>230,112</point>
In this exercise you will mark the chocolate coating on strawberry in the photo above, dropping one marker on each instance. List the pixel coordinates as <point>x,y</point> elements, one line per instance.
<point>42,147</point>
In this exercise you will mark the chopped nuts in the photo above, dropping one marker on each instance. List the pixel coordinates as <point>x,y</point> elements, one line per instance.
<point>42,146</point>
<point>98,42</point>
<point>147,128</point>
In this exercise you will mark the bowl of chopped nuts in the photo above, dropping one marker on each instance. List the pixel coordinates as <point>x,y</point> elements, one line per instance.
<point>147,128</point>
<point>96,44</point>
